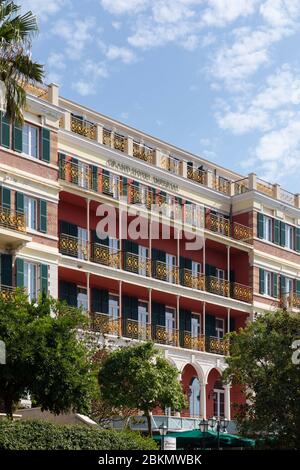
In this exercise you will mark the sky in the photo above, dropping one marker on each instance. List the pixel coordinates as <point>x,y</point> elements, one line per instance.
<point>219,78</point>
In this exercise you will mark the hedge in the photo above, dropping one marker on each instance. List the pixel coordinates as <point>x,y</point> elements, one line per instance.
<point>41,435</point>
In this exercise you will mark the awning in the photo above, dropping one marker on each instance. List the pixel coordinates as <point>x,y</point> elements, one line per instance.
<point>209,438</point>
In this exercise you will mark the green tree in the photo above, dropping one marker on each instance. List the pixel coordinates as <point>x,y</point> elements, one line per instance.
<point>44,356</point>
<point>261,361</point>
<point>137,377</point>
<point>16,66</point>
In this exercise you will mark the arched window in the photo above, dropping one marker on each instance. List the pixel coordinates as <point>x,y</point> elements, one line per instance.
<point>219,399</point>
<point>194,397</point>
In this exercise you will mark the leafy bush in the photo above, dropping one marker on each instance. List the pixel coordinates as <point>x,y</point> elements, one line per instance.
<point>42,435</point>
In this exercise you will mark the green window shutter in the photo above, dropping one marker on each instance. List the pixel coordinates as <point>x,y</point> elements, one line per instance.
<point>62,166</point>
<point>276,231</point>
<point>6,270</point>
<point>6,199</point>
<point>261,281</point>
<point>298,286</point>
<point>94,178</point>
<point>4,131</point>
<point>231,324</point>
<point>45,145</point>
<point>260,225</point>
<point>44,278</point>
<point>19,272</point>
<point>18,138</point>
<point>43,216</point>
<point>297,239</point>
<point>125,186</point>
<point>210,325</point>
<point>282,234</point>
<point>282,285</point>
<point>275,285</point>
<point>68,292</point>
<point>20,202</point>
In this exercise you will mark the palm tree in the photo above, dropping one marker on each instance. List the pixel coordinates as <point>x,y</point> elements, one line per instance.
<point>16,67</point>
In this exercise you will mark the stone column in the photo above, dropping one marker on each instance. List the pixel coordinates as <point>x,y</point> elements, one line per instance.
<point>252,181</point>
<point>227,402</point>
<point>203,400</point>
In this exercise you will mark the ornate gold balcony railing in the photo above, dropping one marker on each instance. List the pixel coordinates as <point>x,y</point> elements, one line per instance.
<point>84,127</point>
<point>264,187</point>
<point>73,246</point>
<point>164,272</point>
<point>190,279</point>
<point>138,195</point>
<point>12,219</point>
<point>193,342</point>
<point>75,173</point>
<point>197,175</point>
<point>137,330</point>
<point>110,185</point>
<point>242,232</point>
<point>162,335</point>
<point>290,300</point>
<point>119,142</point>
<point>137,264</point>
<point>103,254</point>
<point>217,286</point>
<point>143,152</point>
<point>221,185</point>
<point>6,292</point>
<point>105,324</point>
<point>241,292</point>
<point>218,224</point>
<point>107,137</point>
<point>170,164</point>
<point>216,345</point>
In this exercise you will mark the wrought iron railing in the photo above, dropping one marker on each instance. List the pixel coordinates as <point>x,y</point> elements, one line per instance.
<point>217,345</point>
<point>105,324</point>
<point>6,292</point>
<point>164,272</point>
<point>73,246</point>
<point>222,185</point>
<point>190,279</point>
<point>217,223</point>
<point>163,335</point>
<point>137,330</point>
<point>137,264</point>
<point>12,219</point>
<point>264,187</point>
<point>189,341</point>
<point>199,176</point>
<point>106,255</point>
<point>119,142</point>
<point>143,152</point>
<point>218,286</point>
<point>241,292</point>
<point>83,127</point>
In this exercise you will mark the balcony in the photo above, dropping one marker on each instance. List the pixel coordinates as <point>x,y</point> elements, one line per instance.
<point>163,335</point>
<point>136,330</point>
<point>114,140</point>
<point>222,185</point>
<point>171,164</point>
<point>83,127</point>
<point>216,345</point>
<point>73,246</point>
<point>103,254</point>
<point>143,152</point>
<point>6,292</point>
<point>105,324</point>
<point>189,341</point>
<point>144,266</point>
<point>199,176</point>
<point>12,229</point>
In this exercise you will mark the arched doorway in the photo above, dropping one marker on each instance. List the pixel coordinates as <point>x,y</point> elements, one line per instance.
<point>194,397</point>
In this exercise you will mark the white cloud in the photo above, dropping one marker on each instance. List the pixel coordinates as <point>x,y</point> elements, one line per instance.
<point>56,61</point>
<point>43,9</point>
<point>83,88</point>
<point>220,12</point>
<point>124,6</point>
<point>77,34</point>
<point>241,122</point>
<point>280,13</point>
<point>91,75</point>
<point>122,53</point>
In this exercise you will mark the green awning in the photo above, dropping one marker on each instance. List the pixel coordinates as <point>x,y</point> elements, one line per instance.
<point>196,437</point>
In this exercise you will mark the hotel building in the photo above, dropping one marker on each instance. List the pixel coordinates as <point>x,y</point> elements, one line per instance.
<point>66,163</point>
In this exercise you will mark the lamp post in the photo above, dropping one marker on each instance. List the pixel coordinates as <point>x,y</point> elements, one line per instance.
<point>163,430</point>
<point>221,423</point>
<point>203,425</point>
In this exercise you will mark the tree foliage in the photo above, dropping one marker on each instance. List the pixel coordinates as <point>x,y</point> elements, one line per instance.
<point>43,355</point>
<point>16,66</point>
<point>137,377</point>
<point>261,360</point>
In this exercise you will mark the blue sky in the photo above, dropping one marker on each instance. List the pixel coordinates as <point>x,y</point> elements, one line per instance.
<point>220,78</point>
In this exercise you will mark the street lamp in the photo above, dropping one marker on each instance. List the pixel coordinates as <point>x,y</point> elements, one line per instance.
<point>221,423</point>
<point>203,425</point>
<point>163,430</point>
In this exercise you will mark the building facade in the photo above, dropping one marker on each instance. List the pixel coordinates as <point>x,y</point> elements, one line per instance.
<point>152,241</point>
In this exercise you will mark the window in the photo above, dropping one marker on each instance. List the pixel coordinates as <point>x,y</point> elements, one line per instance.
<point>30,279</point>
<point>83,175</point>
<point>194,397</point>
<point>220,274</point>
<point>30,140</point>
<point>143,257</point>
<point>114,185</point>
<point>289,286</point>
<point>220,330</point>
<point>113,306</point>
<point>82,300</point>
<point>170,319</point>
<point>268,283</point>
<point>268,229</point>
<point>82,243</point>
<point>30,208</point>
<point>113,245</point>
<point>170,267</point>
<point>219,400</point>
<point>289,236</point>
<point>195,326</point>
<point>196,269</point>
